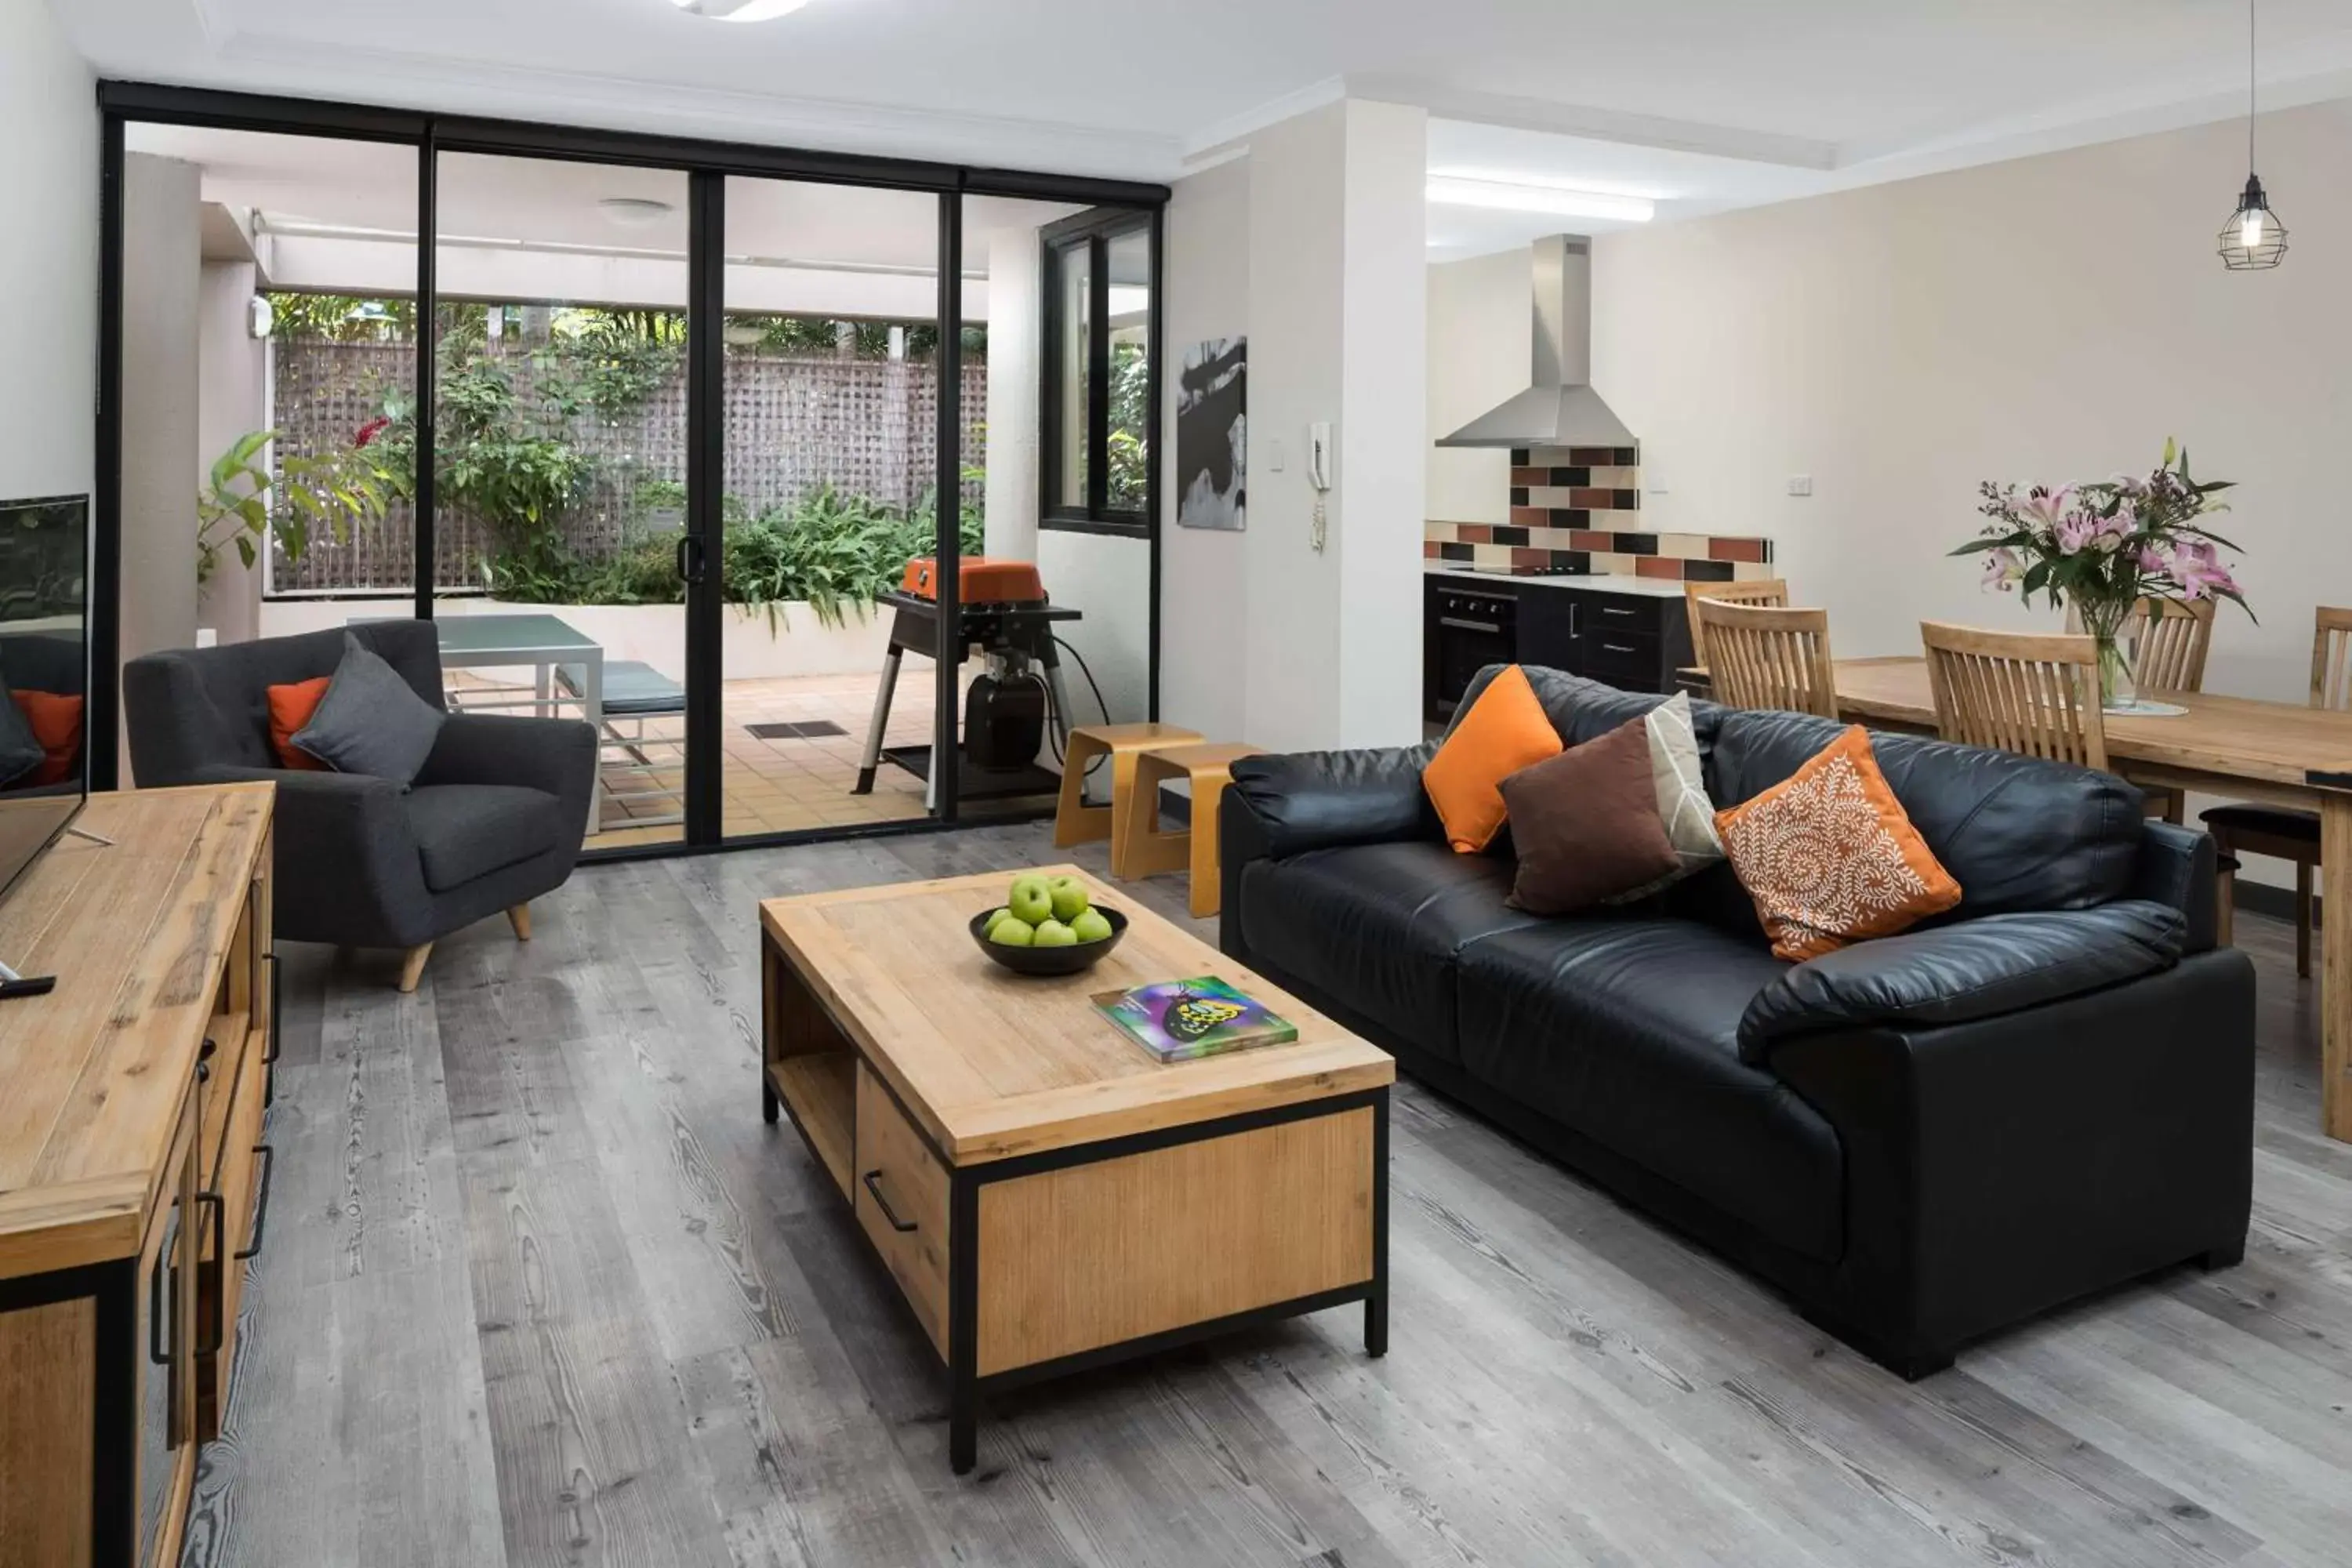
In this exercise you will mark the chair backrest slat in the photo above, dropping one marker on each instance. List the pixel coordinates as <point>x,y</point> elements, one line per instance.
<point>2033,694</point>
<point>2331,659</point>
<point>1761,656</point>
<point>1769,592</point>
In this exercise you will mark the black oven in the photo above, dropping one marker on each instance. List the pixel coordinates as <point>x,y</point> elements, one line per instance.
<point>1469,628</point>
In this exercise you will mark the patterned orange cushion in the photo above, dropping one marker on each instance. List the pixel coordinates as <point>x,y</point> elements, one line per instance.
<point>1505,731</point>
<point>1830,858</point>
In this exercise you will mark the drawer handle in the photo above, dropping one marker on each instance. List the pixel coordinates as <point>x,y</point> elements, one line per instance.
<point>156,1318</point>
<point>874,1185</point>
<point>1459,624</point>
<point>1615,648</point>
<point>260,1204</point>
<point>211,1344</point>
<point>1615,610</point>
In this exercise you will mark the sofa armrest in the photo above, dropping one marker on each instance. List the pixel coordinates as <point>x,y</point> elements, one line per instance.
<point>347,860</point>
<point>1970,970</point>
<point>1312,800</point>
<point>557,755</point>
<point>2176,868</point>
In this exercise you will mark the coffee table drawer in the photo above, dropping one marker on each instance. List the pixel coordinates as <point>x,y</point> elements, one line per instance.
<point>900,1194</point>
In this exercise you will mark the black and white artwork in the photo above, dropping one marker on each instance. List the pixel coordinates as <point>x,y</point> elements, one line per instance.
<point>1212,434</point>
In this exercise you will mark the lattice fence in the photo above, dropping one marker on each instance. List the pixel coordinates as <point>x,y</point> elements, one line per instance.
<point>868,427</point>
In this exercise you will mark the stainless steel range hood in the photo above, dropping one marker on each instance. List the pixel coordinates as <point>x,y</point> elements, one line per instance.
<point>1559,409</point>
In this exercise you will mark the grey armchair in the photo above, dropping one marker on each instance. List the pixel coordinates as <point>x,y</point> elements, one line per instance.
<point>495,819</point>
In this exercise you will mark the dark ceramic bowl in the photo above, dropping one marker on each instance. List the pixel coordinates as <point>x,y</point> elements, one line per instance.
<point>1048,959</point>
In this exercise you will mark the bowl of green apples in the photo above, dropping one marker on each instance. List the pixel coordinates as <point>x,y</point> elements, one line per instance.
<point>1047,925</point>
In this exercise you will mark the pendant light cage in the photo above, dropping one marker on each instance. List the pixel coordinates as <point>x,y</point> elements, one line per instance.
<point>2253,240</point>
<point>2254,221</point>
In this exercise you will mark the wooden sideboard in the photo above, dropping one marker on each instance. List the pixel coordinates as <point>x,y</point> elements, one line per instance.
<point>132,1170</point>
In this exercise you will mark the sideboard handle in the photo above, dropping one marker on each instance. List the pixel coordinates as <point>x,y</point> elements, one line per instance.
<point>268,1157</point>
<point>874,1184</point>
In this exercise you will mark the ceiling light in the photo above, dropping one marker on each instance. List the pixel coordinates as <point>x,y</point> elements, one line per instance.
<point>633,212</point>
<point>740,10</point>
<point>1558,201</point>
<point>2253,240</point>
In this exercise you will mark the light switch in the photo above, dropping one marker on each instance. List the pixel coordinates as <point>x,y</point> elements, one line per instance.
<point>1274,456</point>
<point>1800,484</point>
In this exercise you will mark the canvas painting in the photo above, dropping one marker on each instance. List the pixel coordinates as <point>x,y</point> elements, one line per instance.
<point>1213,436</point>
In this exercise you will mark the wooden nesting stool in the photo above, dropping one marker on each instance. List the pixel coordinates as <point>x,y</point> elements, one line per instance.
<point>1143,850</point>
<point>1075,822</point>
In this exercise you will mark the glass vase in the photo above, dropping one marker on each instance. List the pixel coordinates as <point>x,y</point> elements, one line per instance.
<point>2118,654</point>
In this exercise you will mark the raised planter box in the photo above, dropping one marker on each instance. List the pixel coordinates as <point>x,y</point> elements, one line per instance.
<point>652,633</point>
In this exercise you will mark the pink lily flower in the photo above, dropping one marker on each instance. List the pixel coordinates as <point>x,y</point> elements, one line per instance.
<point>2001,571</point>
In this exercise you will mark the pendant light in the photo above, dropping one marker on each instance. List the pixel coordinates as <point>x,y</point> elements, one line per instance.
<point>2253,240</point>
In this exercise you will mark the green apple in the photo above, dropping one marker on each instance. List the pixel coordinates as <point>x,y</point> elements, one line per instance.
<point>1069,898</point>
<point>1053,934</point>
<point>1010,932</point>
<point>1090,926</point>
<point>1032,900</point>
<point>994,916</point>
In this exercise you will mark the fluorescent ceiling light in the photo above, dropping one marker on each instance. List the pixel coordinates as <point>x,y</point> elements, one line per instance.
<point>1510,196</point>
<point>740,10</point>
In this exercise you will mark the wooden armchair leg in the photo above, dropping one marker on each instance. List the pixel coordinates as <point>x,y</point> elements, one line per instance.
<point>2225,900</point>
<point>412,966</point>
<point>518,917</point>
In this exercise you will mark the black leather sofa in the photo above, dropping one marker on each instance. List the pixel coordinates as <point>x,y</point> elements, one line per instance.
<point>1921,1139</point>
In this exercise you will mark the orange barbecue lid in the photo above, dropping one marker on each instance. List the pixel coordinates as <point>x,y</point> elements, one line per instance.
<point>982,580</point>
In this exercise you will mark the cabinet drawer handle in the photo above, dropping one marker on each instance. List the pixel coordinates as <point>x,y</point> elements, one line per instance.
<point>1615,610</point>
<point>1615,648</point>
<point>155,1316</point>
<point>261,1204</point>
<point>211,1344</point>
<point>874,1185</point>
<point>1461,626</point>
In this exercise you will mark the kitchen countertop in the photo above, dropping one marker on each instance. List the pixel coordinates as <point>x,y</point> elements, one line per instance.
<point>1590,582</point>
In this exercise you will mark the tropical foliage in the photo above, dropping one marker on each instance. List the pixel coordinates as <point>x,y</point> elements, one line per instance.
<point>242,502</point>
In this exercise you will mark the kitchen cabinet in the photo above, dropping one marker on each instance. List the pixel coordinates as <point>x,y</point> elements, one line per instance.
<point>1630,638</point>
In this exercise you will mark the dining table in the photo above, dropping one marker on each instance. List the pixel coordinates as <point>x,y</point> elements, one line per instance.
<point>2274,754</point>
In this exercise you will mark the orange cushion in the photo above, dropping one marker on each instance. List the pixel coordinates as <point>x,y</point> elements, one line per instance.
<point>1830,858</point>
<point>290,707</point>
<point>57,726</point>
<point>1505,731</point>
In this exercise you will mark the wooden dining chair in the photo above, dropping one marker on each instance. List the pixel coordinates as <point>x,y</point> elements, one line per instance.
<point>2171,638</point>
<point>2017,691</point>
<point>1759,656</point>
<point>1771,592</point>
<point>2287,832</point>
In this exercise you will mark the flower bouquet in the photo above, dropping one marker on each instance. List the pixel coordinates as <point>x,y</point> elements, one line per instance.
<point>2104,547</point>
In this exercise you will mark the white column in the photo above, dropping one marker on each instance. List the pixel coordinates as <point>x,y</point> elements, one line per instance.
<point>1015,339</point>
<point>161,264</point>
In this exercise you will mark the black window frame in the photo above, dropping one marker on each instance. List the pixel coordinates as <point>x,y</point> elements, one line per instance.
<point>1092,233</point>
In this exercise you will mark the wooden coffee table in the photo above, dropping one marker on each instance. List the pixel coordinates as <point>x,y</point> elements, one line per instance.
<point>1048,1197</point>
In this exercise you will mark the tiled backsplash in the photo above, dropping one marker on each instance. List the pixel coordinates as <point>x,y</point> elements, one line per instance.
<point>1576,509</point>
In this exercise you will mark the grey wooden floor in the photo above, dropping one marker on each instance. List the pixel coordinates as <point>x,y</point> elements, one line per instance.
<point>540,1287</point>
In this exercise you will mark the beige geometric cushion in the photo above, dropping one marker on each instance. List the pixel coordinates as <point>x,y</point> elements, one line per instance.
<point>1683,804</point>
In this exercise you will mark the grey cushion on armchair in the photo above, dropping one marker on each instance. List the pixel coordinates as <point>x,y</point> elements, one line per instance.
<point>495,819</point>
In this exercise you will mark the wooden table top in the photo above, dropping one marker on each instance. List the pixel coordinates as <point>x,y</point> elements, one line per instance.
<point>94,1072</point>
<point>994,1064</point>
<point>2283,743</point>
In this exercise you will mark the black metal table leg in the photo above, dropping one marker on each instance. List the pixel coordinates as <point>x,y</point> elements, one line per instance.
<point>1376,1305</point>
<point>770,1107</point>
<point>963,1330</point>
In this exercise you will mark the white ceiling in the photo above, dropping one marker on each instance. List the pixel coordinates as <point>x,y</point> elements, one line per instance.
<point>1710,102</point>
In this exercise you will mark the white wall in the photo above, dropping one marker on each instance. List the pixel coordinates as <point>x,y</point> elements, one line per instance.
<point>1481,348</point>
<point>48,263</point>
<point>232,400</point>
<point>162,266</point>
<point>2054,318</point>
<point>1203,574</point>
<point>1012,298</point>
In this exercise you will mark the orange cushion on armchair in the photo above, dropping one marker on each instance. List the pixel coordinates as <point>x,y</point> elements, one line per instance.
<point>290,707</point>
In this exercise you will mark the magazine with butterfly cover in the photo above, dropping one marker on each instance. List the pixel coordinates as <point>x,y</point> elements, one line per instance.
<point>1177,1020</point>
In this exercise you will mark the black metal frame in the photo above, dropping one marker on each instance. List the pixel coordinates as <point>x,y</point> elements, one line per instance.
<point>967,1388</point>
<point>708,164</point>
<point>1092,232</point>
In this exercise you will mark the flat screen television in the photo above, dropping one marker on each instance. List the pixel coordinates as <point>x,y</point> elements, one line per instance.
<point>45,666</point>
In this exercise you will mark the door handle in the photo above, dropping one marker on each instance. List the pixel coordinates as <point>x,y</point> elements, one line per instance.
<point>874,1184</point>
<point>690,560</point>
<point>211,1344</point>
<point>268,1157</point>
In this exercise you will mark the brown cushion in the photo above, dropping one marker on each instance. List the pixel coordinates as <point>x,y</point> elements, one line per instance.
<point>1586,825</point>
